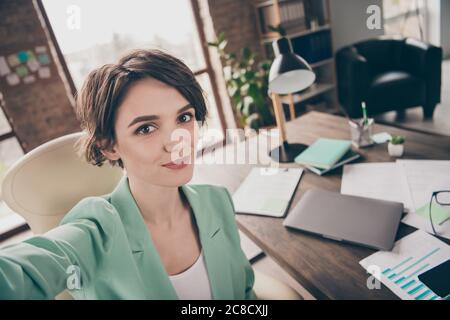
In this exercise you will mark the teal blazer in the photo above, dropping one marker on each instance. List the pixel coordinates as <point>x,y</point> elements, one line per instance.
<point>102,249</point>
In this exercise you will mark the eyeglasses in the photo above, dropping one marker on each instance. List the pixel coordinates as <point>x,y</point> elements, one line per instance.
<point>442,198</point>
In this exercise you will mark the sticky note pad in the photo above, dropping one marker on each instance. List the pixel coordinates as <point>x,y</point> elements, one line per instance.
<point>439,213</point>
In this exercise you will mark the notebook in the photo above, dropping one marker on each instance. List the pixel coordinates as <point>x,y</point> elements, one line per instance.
<point>324,153</point>
<point>348,157</point>
<point>267,191</point>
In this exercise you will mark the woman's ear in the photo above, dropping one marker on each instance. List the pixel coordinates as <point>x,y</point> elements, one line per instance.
<point>111,153</point>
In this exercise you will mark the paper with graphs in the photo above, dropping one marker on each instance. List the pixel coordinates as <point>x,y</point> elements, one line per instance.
<point>399,269</point>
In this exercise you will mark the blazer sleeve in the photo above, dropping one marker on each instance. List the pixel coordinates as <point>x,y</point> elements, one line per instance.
<point>249,273</point>
<point>39,268</point>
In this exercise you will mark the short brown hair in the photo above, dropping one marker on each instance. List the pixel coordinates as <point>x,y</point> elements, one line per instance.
<point>105,87</point>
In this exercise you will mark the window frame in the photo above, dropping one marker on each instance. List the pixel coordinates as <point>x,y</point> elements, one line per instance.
<point>208,69</point>
<point>410,13</point>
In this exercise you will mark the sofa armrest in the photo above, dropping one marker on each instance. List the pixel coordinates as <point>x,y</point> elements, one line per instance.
<point>425,61</point>
<point>353,80</point>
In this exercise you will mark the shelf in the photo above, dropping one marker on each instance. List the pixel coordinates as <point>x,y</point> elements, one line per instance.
<point>317,89</point>
<point>298,34</point>
<point>270,3</point>
<point>321,63</point>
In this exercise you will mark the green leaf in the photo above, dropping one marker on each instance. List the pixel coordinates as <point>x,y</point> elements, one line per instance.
<point>246,53</point>
<point>397,139</point>
<point>238,107</point>
<point>249,75</point>
<point>221,37</point>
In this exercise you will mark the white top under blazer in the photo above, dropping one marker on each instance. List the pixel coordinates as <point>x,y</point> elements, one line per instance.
<point>193,283</point>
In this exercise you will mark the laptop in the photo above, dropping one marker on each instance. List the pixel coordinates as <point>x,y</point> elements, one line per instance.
<point>363,221</point>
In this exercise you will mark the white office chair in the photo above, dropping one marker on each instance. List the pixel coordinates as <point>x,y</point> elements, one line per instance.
<point>51,179</point>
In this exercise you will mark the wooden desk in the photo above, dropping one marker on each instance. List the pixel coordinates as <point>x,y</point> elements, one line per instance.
<point>327,269</point>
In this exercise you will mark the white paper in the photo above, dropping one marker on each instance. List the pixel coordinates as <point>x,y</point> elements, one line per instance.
<point>4,68</point>
<point>41,49</point>
<point>44,72</point>
<point>13,60</point>
<point>12,79</point>
<point>33,65</point>
<point>29,79</point>
<point>381,180</point>
<point>423,177</point>
<point>411,256</point>
<point>267,194</point>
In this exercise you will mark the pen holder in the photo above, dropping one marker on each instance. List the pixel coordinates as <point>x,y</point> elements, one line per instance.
<point>361,134</point>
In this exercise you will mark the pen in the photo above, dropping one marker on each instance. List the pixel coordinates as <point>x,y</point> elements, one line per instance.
<point>363,106</point>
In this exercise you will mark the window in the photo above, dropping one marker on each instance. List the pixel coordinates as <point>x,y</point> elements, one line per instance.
<point>404,17</point>
<point>92,33</point>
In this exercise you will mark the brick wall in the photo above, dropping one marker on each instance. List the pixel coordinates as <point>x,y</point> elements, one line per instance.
<point>237,19</point>
<point>39,108</point>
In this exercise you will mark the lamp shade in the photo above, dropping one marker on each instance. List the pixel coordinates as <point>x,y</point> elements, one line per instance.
<point>289,72</point>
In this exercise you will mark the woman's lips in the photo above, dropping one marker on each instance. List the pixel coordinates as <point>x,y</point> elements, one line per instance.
<point>179,164</point>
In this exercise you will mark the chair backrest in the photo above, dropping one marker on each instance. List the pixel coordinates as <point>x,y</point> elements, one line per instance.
<point>383,53</point>
<point>48,181</point>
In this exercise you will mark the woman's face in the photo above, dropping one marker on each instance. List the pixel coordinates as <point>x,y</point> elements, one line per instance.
<point>155,131</point>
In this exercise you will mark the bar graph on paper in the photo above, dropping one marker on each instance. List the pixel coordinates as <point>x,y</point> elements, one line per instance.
<point>411,256</point>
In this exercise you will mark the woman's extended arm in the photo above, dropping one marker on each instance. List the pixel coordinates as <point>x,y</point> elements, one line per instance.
<point>39,268</point>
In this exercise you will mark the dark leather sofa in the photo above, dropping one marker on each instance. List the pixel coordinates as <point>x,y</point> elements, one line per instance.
<point>389,74</point>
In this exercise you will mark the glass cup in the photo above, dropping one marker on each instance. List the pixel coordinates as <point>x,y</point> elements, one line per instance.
<point>361,134</point>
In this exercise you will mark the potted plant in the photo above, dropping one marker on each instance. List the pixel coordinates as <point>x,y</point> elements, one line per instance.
<point>396,146</point>
<point>247,84</point>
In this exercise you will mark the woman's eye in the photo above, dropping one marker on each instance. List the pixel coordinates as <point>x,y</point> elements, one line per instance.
<point>185,117</point>
<point>145,129</point>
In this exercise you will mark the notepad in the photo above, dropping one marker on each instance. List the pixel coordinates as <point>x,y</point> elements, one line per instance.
<point>348,157</point>
<point>324,153</point>
<point>267,191</point>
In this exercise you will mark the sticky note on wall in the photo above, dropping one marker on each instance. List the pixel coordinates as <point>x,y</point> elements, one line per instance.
<point>12,79</point>
<point>13,60</point>
<point>29,79</point>
<point>33,65</point>
<point>44,59</point>
<point>44,72</point>
<point>40,49</point>
<point>4,68</point>
<point>22,56</point>
<point>31,55</point>
<point>21,71</point>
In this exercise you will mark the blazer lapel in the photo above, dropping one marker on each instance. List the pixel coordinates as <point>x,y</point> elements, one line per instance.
<point>212,240</point>
<point>154,277</point>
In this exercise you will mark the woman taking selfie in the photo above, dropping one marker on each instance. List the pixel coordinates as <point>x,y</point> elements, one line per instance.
<point>154,236</point>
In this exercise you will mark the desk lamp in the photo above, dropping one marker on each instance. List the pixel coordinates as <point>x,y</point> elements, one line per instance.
<point>289,73</point>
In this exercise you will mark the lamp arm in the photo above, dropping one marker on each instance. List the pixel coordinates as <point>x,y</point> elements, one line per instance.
<point>279,116</point>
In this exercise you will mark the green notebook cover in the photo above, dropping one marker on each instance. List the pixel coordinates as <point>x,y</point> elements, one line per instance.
<point>324,153</point>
